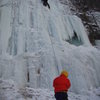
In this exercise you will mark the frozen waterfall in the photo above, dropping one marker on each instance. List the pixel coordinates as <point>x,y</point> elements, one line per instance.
<point>37,43</point>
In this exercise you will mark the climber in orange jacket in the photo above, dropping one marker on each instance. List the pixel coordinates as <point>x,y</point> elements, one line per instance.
<point>61,85</point>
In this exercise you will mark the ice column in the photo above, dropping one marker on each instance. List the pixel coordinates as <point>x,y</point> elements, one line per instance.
<point>33,71</point>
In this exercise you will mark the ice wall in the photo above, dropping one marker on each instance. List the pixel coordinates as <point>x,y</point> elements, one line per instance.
<point>34,47</point>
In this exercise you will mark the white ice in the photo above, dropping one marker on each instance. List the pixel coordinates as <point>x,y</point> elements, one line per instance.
<point>34,46</point>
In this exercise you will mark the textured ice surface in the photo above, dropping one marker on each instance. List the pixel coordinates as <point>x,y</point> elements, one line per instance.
<point>34,47</point>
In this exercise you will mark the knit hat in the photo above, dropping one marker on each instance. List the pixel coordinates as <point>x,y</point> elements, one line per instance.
<point>64,72</point>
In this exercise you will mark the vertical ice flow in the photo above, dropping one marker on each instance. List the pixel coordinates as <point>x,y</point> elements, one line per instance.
<point>34,45</point>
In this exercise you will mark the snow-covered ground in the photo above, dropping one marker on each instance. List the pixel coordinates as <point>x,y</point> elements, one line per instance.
<point>9,91</point>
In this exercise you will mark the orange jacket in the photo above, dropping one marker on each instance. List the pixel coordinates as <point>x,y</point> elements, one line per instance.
<point>61,83</point>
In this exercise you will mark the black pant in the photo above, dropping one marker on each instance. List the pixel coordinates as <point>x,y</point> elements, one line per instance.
<point>45,0</point>
<point>45,3</point>
<point>61,96</point>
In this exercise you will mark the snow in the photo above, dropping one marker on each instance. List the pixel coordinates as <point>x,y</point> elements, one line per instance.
<point>34,48</point>
<point>9,91</point>
<point>97,17</point>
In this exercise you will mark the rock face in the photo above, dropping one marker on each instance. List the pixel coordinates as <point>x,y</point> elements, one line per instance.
<point>89,12</point>
<point>36,43</point>
<point>86,5</point>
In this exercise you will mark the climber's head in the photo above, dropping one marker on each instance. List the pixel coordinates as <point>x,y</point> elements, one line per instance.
<point>64,72</point>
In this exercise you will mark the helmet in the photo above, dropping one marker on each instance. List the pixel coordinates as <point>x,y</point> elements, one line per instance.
<point>64,72</point>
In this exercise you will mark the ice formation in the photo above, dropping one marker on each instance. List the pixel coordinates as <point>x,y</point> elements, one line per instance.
<point>35,46</point>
